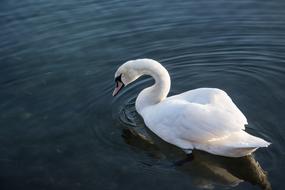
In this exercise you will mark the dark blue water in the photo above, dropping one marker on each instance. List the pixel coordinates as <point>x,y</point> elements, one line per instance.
<point>60,128</point>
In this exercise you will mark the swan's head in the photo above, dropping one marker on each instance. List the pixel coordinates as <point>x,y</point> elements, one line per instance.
<point>126,74</point>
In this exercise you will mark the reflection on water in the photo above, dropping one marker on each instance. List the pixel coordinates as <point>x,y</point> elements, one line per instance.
<point>207,170</point>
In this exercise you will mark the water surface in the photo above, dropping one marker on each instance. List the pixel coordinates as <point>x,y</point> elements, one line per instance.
<point>60,128</point>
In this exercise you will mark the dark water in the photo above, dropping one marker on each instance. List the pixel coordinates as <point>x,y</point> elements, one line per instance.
<point>60,128</point>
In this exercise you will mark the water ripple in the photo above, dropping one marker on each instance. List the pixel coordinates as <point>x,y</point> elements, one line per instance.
<point>58,60</point>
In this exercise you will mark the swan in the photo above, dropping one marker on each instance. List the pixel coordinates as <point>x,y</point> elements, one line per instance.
<point>205,118</point>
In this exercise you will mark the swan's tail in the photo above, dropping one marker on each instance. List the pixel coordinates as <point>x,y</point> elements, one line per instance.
<point>245,140</point>
<point>244,144</point>
<point>236,145</point>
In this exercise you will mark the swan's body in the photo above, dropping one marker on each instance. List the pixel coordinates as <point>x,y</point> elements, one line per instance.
<point>204,118</point>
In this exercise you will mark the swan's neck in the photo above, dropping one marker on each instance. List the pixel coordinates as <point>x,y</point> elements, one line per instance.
<point>157,92</point>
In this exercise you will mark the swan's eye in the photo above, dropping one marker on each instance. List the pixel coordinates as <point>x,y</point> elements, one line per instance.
<point>118,79</point>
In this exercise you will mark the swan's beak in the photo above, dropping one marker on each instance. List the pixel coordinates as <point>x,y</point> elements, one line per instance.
<point>118,87</point>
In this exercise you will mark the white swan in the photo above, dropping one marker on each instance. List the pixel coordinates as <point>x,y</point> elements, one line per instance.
<point>204,118</point>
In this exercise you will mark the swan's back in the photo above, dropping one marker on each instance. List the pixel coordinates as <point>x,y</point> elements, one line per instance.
<point>213,97</point>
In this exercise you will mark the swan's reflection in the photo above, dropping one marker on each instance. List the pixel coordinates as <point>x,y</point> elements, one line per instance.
<point>211,170</point>
<point>206,170</point>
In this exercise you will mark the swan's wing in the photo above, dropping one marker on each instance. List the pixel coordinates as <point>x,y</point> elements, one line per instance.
<point>221,100</point>
<point>179,119</point>
<point>215,97</point>
<point>206,123</point>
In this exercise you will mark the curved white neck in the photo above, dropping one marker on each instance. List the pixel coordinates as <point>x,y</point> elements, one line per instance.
<point>157,92</point>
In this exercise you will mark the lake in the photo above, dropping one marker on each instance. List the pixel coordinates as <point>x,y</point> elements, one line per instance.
<point>60,127</point>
